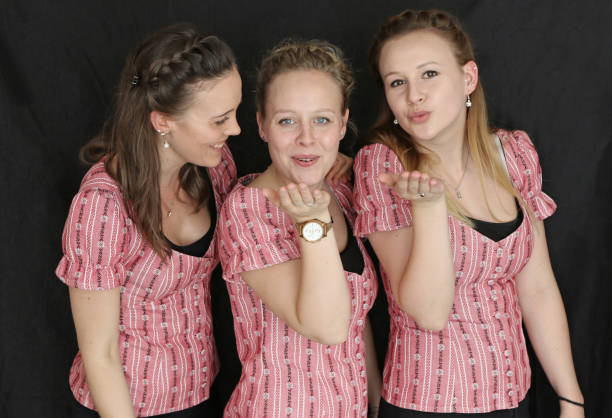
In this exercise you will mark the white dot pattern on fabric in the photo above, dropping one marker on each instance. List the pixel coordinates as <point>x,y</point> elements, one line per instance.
<point>484,332</point>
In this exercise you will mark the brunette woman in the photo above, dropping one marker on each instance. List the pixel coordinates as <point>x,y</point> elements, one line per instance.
<point>137,241</point>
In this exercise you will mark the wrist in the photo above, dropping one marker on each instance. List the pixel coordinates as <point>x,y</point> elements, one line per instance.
<point>429,209</point>
<point>323,216</point>
<point>573,402</point>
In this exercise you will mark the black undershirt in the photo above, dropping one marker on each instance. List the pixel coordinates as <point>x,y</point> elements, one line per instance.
<point>351,257</point>
<point>199,247</point>
<point>497,231</point>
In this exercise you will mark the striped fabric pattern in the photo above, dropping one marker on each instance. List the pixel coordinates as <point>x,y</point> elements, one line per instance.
<point>479,362</point>
<point>284,373</point>
<point>165,326</point>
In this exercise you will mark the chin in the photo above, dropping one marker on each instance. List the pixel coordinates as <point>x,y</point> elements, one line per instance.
<point>210,162</point>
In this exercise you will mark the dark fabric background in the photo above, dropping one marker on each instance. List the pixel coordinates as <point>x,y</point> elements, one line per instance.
<point>545,66</point>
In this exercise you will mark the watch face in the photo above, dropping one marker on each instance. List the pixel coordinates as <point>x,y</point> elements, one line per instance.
<point>312,231</point>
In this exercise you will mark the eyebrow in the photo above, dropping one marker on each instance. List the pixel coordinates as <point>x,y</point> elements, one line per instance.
<point>223,114</point>
<point>228,112</point>
<point>427,63</point>
<point>418,67</point>
<point>293,111</point>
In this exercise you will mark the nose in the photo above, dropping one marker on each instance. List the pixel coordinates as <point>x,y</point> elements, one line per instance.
<point>232,127</point>
<point>415,95</point>
<point>305,135</point>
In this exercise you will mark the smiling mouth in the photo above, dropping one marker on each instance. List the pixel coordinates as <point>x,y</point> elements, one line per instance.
<point>305,161</point>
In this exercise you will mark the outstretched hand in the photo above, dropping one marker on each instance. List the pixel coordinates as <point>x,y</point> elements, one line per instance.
<point>341,170</point>
<point>415,186</point>
<point>299,202</point>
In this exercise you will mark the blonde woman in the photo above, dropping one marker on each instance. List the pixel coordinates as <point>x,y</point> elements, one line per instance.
<point>454,213</point>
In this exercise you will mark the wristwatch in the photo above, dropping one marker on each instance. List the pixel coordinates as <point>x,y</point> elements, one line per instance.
<point>313,230</point>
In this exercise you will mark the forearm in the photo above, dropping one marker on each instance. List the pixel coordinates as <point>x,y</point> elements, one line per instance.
<point>546,323</point>
<point>427,287</point>
<point>108,386</point>
<point>323,306</point>
<point>96,318</point>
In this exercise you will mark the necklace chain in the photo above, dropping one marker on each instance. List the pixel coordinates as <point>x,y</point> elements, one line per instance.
<point>457,192</point>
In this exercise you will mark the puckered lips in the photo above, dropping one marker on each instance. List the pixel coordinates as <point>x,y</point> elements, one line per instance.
<point>305,160</point>
<point>419,117</point>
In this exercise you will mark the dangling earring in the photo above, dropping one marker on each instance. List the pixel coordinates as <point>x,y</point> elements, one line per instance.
<point>166,144</point>
<point>468,102</point>
<point>395,122</point>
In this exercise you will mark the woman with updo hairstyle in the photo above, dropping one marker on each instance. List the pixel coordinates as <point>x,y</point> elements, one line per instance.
<point>138,241</point>
<point>300,283</point>
<point>453,210</point>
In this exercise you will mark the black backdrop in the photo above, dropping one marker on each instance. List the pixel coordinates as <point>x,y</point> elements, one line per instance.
<point>545,68</point>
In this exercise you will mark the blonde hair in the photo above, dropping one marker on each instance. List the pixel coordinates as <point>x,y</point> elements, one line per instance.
<point>292,55</point>
<point>483,151</point>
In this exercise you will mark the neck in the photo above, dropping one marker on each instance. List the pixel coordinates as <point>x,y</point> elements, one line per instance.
<point>169,168</point>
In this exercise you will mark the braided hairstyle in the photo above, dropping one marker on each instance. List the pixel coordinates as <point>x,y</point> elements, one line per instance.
<point>477,130</point>
<point>162,75</point>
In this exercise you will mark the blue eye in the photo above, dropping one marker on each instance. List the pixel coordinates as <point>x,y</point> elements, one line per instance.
<point>396,83</point>
<point>430,74</point>
<point>286,121</point>
<point>321,120</point>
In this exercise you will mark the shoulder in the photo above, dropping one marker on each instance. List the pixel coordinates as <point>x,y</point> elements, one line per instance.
<point>98,179</point>
<point>242,196</point>
<point>376,158</point>
<point>516,142</point>
<point>99,191</point>
<point>343,192</point>
<point>254,233</point>
<point>247,206</point>
<point>521,155</point>
<point>223,176</point>
<point>375,150</point>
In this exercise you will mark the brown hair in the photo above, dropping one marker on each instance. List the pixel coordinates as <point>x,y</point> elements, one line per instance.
<point>162,74</point>
<point>477,131</point>
<point>291,55</point>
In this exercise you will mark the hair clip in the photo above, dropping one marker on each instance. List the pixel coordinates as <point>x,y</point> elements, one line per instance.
<point>135,80</point>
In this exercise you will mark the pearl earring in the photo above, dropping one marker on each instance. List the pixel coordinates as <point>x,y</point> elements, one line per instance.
<point>468,102</point>
<point>395,122</point>
<point>162,134</point>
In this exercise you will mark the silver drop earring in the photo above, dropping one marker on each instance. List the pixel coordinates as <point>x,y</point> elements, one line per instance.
<point>395,122</point>
<point>468,102</point>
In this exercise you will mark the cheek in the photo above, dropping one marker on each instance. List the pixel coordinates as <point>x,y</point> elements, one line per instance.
<point>393,100</point>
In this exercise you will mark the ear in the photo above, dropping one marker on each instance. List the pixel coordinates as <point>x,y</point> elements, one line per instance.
<point>344,123</point>
<point>470,72</point>
<point>160,121</point>
<point>260,121</point>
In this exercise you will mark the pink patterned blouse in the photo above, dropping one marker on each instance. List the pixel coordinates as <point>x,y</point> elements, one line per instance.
<point>284,373</point>
<point>165,326</point>
<point>478,363</point>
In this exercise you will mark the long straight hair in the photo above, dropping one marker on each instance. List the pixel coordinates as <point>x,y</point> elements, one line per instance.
<point>477,134</point>
<point>162,75</point>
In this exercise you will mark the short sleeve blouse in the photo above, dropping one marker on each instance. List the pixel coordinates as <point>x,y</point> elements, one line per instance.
<point>166,342</point>
<point>284,373</point>
<point>479,362</point>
